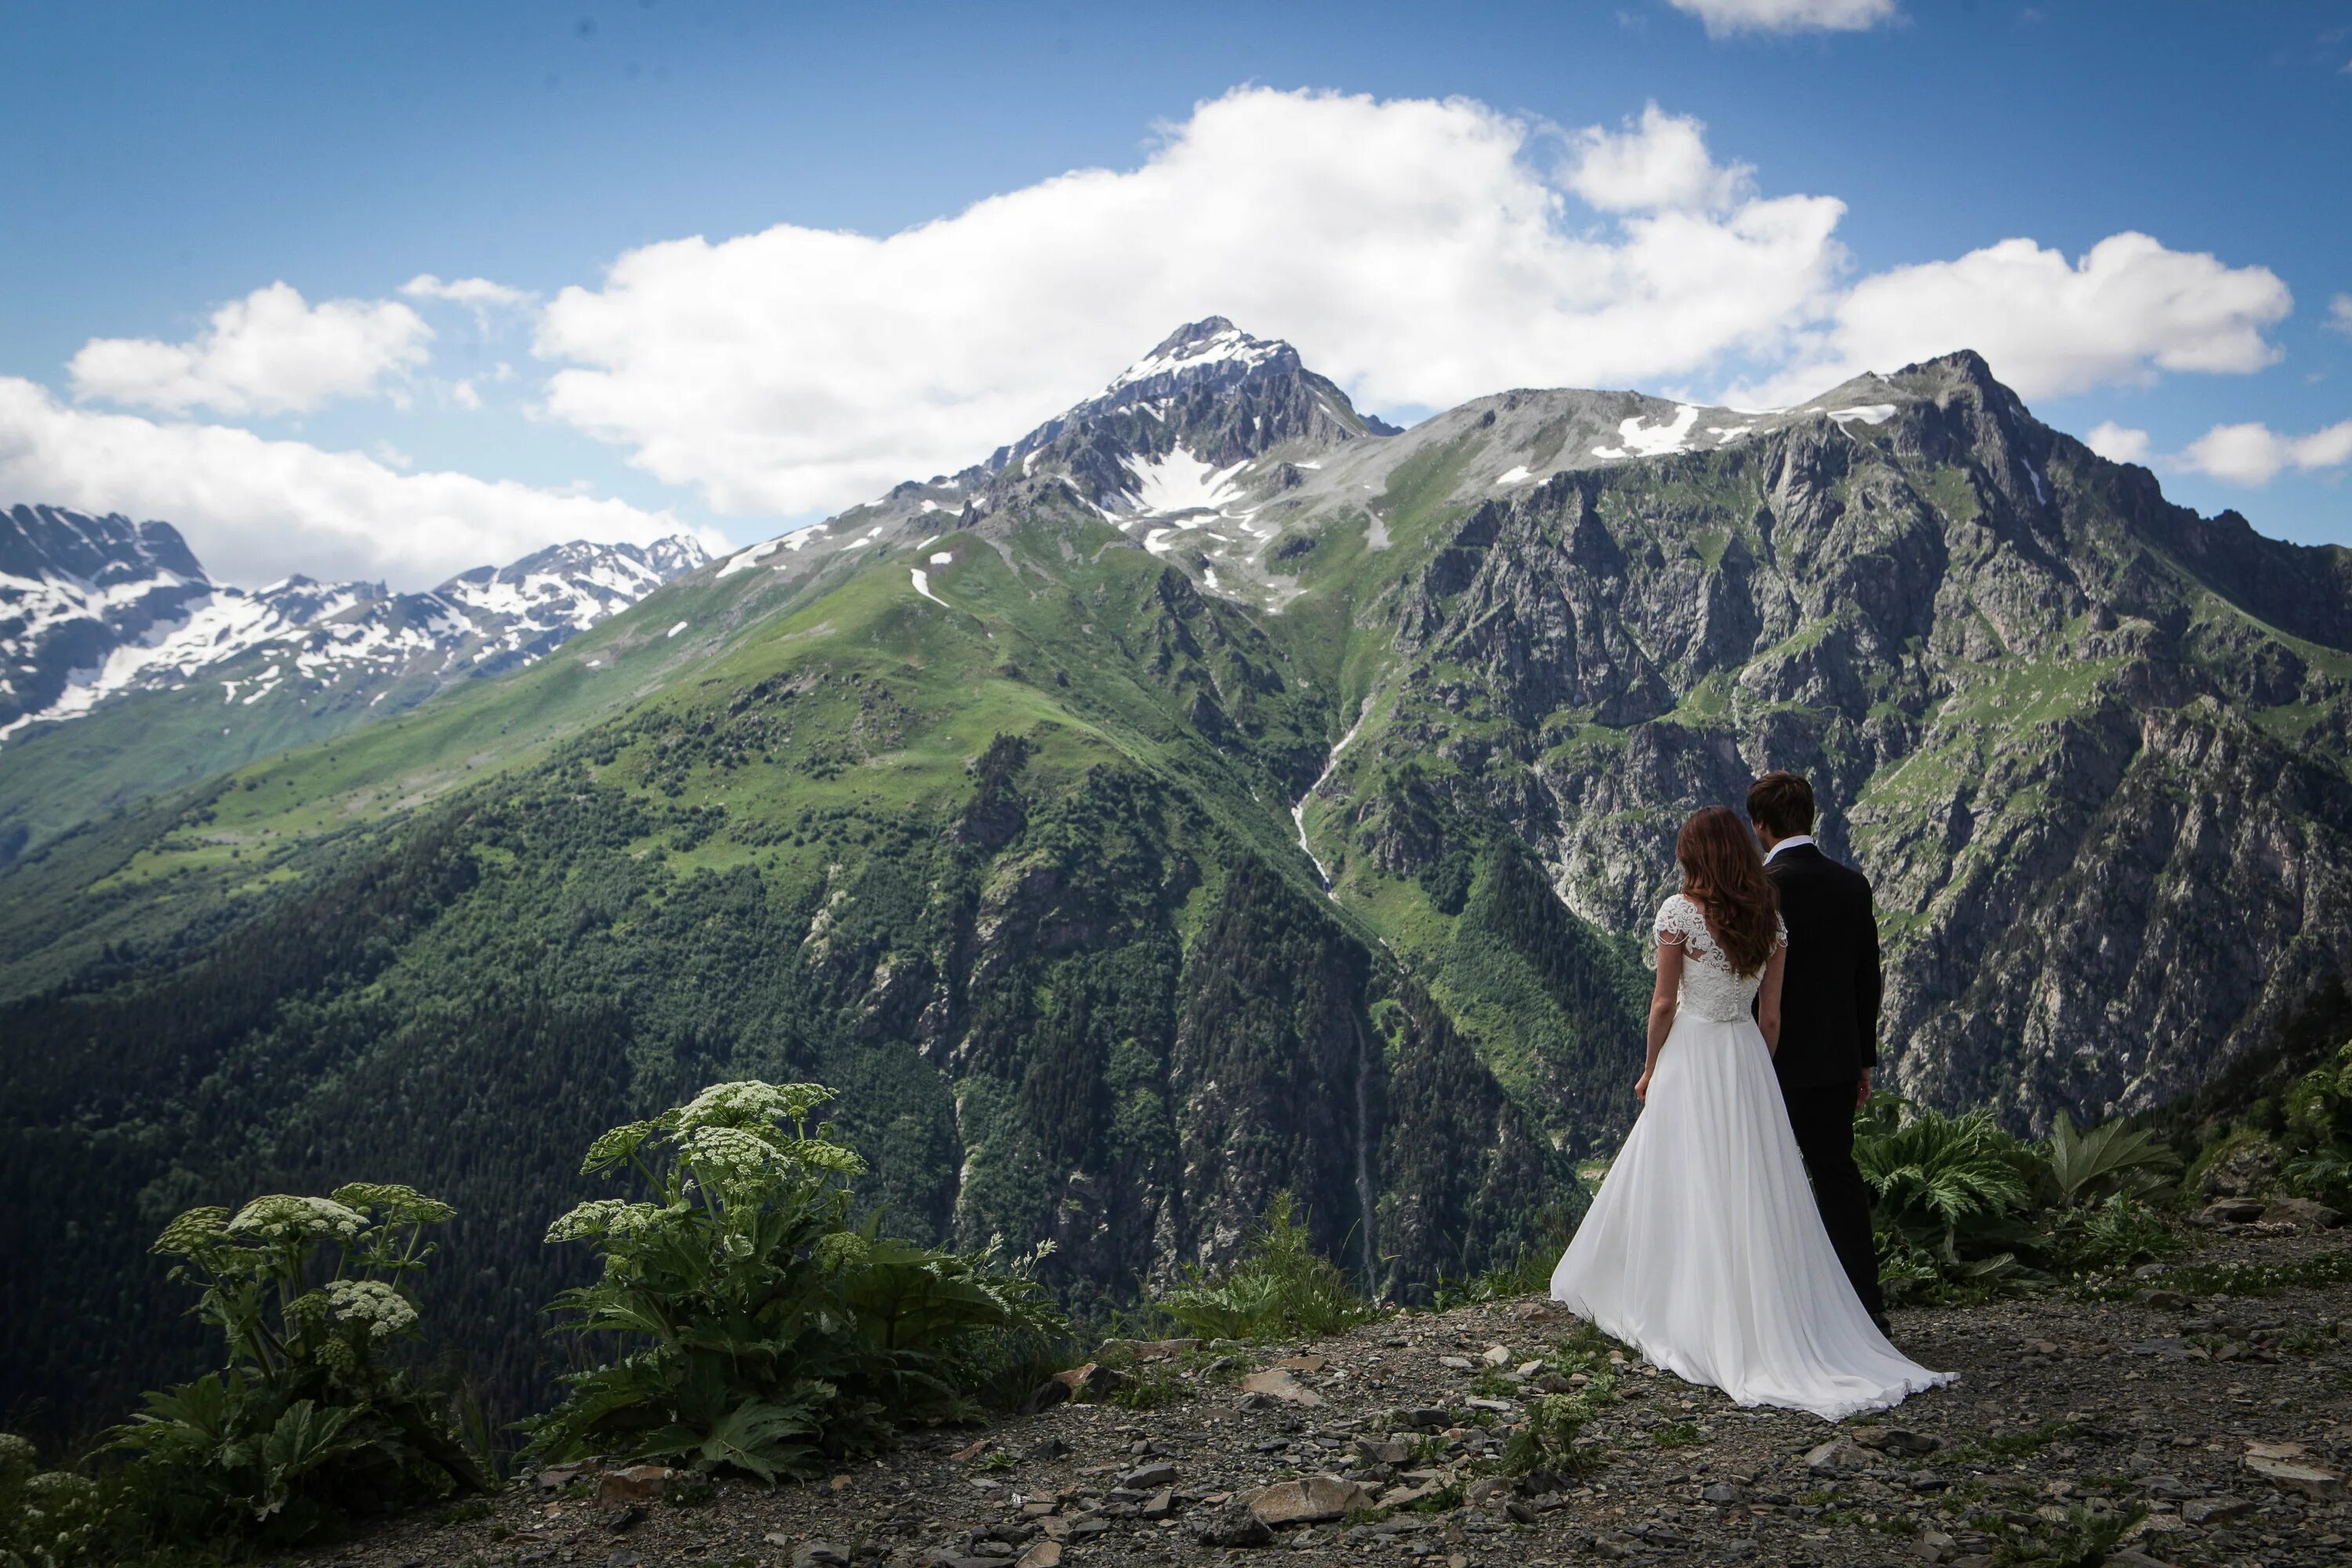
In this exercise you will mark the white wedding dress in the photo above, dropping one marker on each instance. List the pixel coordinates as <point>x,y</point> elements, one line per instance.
<point>1703,1248</point>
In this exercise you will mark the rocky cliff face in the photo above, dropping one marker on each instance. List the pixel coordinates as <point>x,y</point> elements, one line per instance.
<point>2060,721</point>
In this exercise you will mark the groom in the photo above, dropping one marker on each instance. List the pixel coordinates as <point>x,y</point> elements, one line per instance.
<point>1829,1015</point>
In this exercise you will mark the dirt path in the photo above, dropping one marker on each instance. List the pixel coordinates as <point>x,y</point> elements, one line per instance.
<point>2074,1423</point>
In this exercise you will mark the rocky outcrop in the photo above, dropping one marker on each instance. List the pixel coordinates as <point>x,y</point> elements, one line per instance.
<point>2054,716</point>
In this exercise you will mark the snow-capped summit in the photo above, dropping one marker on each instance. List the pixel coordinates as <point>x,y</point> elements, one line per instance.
<point>93,607</point>
<point>1202,345</point>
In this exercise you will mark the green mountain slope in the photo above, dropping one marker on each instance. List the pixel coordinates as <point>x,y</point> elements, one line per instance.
<point>1209,793</point>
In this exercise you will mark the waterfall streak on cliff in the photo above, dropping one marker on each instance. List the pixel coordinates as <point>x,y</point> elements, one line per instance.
<point>1298,811</point>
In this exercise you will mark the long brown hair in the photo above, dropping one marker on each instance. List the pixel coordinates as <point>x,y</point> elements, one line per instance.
<point>1723,873</point>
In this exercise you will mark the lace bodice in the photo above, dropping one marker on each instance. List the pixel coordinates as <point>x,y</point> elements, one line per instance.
<point>1709,990</point>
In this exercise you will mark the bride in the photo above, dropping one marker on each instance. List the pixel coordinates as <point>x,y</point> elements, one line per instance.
<point>1703,1248</point>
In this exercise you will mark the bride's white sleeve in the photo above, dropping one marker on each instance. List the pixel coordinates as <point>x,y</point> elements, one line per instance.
<point>1780,934</point>
<point>1672,926</point>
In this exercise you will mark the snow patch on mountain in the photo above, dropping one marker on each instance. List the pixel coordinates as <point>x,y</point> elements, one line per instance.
<point>744,559</point>
<point>1645,440</point>
<point>1182,482</point>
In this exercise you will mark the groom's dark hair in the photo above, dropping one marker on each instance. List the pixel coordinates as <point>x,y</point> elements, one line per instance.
<point>1782,804</point>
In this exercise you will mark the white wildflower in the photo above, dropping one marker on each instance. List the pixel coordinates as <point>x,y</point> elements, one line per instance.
<point>396,1204</point>
<point>618,1144</point>
<point>602,1217</point>
<point>751,1104</point>
<point>282,1216</point>
<point>729,1156</point>
<point>816,1154</point>
<point>372,1306</point>
<point>192,1232</point>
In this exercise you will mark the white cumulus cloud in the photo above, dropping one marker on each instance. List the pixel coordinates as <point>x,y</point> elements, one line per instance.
<point>255,509</point>
<point>463,290</point>
<point>1413,250</point>
<point>269,353</point>
<point>2124,310</point>
<point>2339,315</point>
<point>2254,454</point>
<point>1727,17</point>
<point>1660,161</point>
<point>1419,252</point>
<point>2117,443</point>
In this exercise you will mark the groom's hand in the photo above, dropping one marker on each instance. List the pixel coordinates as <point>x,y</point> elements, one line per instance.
<point>1862,1091</point>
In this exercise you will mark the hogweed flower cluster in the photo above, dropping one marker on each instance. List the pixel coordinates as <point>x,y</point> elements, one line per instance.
<point>283,1218</point>
<point>392,1204</point>
<point>371,1305</point>
<point>750,1103</point>
<point>600,1217</point>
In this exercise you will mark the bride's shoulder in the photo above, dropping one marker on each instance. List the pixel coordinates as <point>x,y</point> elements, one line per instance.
<point>1679,918</point>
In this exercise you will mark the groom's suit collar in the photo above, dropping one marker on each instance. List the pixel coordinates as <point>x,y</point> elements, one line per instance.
<point>1791,844</point>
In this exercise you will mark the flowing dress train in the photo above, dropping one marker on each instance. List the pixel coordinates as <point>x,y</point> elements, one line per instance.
<point>1703,1247</point>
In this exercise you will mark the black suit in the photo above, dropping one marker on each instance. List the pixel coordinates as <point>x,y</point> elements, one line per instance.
<point>1829,1037</point>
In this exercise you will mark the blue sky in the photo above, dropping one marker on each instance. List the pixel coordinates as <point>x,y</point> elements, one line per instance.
<point>163,161</point>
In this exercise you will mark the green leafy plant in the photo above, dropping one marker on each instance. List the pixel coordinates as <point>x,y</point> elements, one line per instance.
<point>759,1328</point>
<point>2319,1131</point>
<point>1280,1288</point>
<point>1547,1439</point>
<point>313,1417</point>
<point>48,1519</point>
<point>1949,1191</point>
<point>2115,1234</point>
<point>2110,1161</point>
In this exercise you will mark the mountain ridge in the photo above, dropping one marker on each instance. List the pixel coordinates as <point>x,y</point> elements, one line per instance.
<point>1131,839</point>
<point>97,612</point>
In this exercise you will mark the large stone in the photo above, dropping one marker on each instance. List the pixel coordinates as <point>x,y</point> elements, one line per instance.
<point>1044,1555</point>
<point>634,1483</point>
<point>1145,1349</point>
<point>1148,1478</point>
<point>821,1554</point>
<point>1275,1383</point>
<point>2205,1511</point>
<point>1092,1379</point>
<point>2286,1466</point>
<point>1231,1523</point>
<point>2302,1212</point>
<point>2231,1211</point>
<point>1837,1456</point>
<point>1310,1500</point>
<point>1900,1440</point>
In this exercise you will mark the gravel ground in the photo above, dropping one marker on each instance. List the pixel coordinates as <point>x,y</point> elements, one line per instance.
<point>2182,1430</point>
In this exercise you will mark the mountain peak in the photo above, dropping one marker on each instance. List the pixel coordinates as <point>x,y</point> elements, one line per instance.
<point>1212,340</point>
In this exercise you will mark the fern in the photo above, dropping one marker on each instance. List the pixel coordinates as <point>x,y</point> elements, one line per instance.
<point>1280,1288</point>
